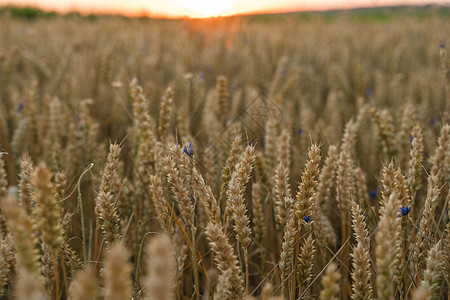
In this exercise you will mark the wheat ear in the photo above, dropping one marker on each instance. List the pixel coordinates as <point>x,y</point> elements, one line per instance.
<point>330,283</point>
<point>117,273</point>
<point>224,257</point>
<point>105,208</point>
<point>84,285</point>
<point>161,269</point>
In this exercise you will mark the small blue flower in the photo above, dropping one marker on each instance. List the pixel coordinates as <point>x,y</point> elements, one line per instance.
<point>404,211</point>
<point>299,131</point>
<point>262,142</point>
<point>373,194</point>
<point>20,106</point>
<point>442,46</point>
<point>369,92</point>
<point>284,72</point>
<point>433,121</point>
<point>307,219</point>
<point>189,152</point>
<point>201,76</point>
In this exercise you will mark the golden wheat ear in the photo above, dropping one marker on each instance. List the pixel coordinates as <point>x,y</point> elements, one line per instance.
<point>330,283</point>
<point>117,273</point>
<point>224,257</point>
<point>48,209</point>
<point>84,285</point>
<point>107,217</point>
<point>23,231</point>
<point>161,269</point>
<point>386,251</point>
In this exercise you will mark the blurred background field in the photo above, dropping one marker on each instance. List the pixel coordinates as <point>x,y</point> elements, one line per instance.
<point>355,81</point>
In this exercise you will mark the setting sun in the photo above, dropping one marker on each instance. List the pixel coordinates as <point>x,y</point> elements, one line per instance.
<point>200,8</point>
<point>208,8</point>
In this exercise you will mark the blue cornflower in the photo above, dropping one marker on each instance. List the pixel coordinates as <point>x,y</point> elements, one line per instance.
<point>20,106</point>
<point>299,131</point>
<point>189,152</point>
<point>307,219</point>
<point>262,142</point>
<point>411,138</point>
<point>373,194</point>
<point>404,211</point>
<point>201,76</point>
<point>442,46</point>
<point>433,121</point>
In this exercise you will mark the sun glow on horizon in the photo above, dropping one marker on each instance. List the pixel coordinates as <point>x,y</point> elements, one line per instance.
<point>204,8</point>
<point>208,8</point>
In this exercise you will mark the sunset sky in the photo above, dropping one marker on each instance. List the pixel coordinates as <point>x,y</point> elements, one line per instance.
<point>205,8</point>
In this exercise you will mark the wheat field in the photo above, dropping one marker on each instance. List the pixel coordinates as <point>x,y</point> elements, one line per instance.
<point>237,158</point>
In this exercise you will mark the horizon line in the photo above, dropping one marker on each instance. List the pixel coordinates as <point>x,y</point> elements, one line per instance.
<point>146,13</point>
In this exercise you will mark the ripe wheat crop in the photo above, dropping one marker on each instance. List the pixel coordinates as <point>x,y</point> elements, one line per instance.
<point>238,158</point>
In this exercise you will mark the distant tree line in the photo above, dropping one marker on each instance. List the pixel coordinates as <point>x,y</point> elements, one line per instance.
<point>31,13</point>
